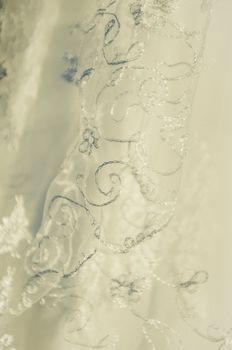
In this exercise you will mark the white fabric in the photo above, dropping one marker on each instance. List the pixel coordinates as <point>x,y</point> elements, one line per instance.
<point>115,174</point>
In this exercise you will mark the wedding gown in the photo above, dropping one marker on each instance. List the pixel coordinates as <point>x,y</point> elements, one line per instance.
<point>115,174</point>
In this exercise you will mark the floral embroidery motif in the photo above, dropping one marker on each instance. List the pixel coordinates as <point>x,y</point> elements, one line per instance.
<point>165,6</point>
<point>14,229</point>
<point>126,290</point>
<point>90,140</point>
<point>71,71</point>
<point>136,11</point>
<point>199,277</point>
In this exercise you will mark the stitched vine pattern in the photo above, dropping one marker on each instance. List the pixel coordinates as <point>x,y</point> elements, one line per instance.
<point>129,95</point>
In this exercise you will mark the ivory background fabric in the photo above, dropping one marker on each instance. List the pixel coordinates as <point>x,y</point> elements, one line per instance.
<point>41,119</point>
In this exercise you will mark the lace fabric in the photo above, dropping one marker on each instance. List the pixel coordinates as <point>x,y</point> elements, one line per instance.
<point>116,232</point>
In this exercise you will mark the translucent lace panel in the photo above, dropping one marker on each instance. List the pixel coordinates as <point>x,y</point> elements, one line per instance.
<point>116,261</point>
